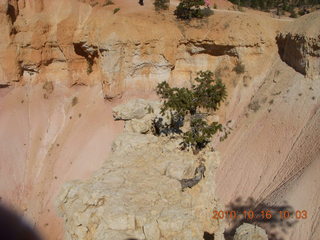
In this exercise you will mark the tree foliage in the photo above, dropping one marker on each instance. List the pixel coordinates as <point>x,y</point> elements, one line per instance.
<point>188,9</point>
<point>205,95</point>
<point>161,4</point>
<point>280,5</point>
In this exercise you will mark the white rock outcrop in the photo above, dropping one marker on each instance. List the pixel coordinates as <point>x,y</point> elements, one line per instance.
<point>250,232</point>
<point>135,109</point>
<point>137,193</point>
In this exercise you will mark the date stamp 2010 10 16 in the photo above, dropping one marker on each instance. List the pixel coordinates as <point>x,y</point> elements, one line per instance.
<point>260,215</point>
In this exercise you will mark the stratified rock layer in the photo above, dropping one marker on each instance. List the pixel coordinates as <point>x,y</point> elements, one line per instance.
<point>299,46</point>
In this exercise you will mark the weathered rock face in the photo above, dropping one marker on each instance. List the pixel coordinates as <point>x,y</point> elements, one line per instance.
<point>137,193</point>
<point>301,50</point>
<point>135,109</point>
<point>273,150</point>
<point>301,53</point>
<point>250,232</point>
<point>84,43</point>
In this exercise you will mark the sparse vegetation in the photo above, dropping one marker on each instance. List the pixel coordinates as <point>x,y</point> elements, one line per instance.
<point>293,14</point>
<point>206,12</point>
<point>89,67</point>
<point>226,25</point>
<point>188,9</point>
<point>92,4</point>
<point>279,6</point>
<point>74,101</point>
<point>107,3</point>
<point>206,95</point>
<point>254,106</point>
<point>116,10</point>
<point>48,87</point>
<point>150,109</point>
<point>239,68</point>
<point>161,5</point>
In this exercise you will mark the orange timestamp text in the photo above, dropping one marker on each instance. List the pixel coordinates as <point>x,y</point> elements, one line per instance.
<point>261,215</point>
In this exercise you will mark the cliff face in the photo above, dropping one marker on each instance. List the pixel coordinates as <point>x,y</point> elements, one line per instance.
<point>274,148</point>
<point>74,43</point>
<point>65,64</point>
<point>299,47</point>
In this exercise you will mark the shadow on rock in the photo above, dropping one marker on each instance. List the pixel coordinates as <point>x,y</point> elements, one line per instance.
<point>276,220</point>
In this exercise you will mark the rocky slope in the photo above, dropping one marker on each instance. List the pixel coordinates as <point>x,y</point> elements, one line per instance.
<point>137,193</point>
<point>65,64</point>
<point>273,151</point>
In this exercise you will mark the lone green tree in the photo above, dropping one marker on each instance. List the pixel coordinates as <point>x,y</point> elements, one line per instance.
<point>205,95</point>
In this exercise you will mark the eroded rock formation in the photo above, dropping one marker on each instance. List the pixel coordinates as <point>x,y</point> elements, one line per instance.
<point>250,232</point>
<point>300,47</point>
<point>137,193</point>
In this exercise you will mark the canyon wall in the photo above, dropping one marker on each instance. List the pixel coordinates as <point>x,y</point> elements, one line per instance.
<point>65,64</point>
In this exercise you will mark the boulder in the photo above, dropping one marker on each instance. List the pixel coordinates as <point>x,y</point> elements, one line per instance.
<point>250,232</point>
<point>134,109</point>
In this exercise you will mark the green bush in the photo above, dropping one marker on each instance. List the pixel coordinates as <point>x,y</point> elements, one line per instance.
<point>116,10</point>
<point>205,95</point>
<point>239,68</point>
<point>188,9</point>
<point>108,2</point>
<point>161,4</point>
<point>293,14</point>
<point>206,12</point>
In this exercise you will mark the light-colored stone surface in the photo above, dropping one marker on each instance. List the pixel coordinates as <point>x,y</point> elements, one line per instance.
<point>250,232</point>
<point>137,193</point>
<point>135,109</point>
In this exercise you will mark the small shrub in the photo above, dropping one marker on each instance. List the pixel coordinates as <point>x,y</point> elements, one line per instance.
<point>188,9</point>
<point>215,6</point>
<point>254,106</point>
<point>107,3</point>
<point>149,109</point>
<point>116,10</point>
<point>48,87</point>
<point>161,4</point>
<point>239,68</point>
<point>89,67</point>
<point>206,12</point>
<point>293,14</point>
<point>74,101</point>
<point>92,4</point>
